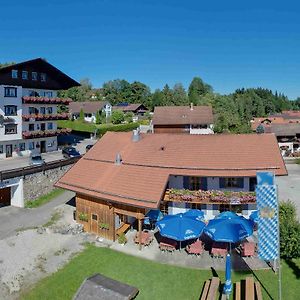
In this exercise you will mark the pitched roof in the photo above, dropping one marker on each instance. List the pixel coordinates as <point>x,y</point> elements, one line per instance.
<point>142,177</point>
<point>60,81</point>
<point>182,115</point>
<point>130,107</point>
<point>88,107</point>
<point>291,129</point>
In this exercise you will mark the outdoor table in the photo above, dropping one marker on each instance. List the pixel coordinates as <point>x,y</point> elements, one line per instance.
<point>167,244</point>
<point>146,238</point>
<point>219,249</point>
<point>195,248</point>
<point>248,249</point>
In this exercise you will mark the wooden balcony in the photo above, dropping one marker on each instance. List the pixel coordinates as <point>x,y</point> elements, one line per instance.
<point>45,117</point>
<point>45,100</point>
<point>209,197</point>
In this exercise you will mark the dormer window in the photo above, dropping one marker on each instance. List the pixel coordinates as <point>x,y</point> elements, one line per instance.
<point>43,77</point>
<point>34,75</point>
<point>24,75</point>
<point>14,73</point>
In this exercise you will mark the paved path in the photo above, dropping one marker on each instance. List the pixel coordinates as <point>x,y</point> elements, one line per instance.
<point>289,186</point>
<point>13,218</point>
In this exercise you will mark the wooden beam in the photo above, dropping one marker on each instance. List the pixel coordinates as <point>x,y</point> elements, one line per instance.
<point>140,234</point>
<point>125,212</point>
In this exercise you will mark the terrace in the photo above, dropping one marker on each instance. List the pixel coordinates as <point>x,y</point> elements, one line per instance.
<point>45,100</point>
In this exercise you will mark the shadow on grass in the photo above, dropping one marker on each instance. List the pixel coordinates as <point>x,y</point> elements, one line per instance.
<point>294,267</point>
<point>262,285</point>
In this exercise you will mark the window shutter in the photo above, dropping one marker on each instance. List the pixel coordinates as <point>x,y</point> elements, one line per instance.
<point>222,182</point>
<point>186,182</point>
<point>241,182</point>
<point>204,183</point>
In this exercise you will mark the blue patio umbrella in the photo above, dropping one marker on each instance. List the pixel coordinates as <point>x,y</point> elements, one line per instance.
<point>229,230</point>
<point>228,284</point>
<point>195,213</point>
<point>154,214</point>
<point>227,215</point>
<point>179,227</point>
<point>254,216</point>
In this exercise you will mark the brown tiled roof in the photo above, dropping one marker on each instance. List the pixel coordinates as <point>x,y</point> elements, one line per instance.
<point>130,107</point>
<point>146,165</point>
<point>291,129</point>
<point>88,107</point>
<point>182,115</point>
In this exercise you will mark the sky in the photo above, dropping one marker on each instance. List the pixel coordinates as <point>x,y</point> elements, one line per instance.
<point>229,44</point>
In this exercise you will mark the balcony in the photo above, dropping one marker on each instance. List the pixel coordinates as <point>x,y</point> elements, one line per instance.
<point>45,100</point>
<point>46,133</point>
<point>209,197</point>
<point>46,117</point>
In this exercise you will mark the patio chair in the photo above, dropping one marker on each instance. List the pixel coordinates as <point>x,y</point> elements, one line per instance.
<point>195,248</point>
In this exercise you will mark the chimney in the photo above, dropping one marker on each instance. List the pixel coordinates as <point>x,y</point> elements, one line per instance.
<point>136,135</point>
<point>118,160</point>
<point>192,106</point>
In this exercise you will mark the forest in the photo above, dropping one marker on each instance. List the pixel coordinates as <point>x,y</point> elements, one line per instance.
<point>233,112</point>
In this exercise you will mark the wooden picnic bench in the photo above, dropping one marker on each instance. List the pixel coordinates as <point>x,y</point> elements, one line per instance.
<point>210,289</point>
<point>252,290</point>
<point>122,229</point>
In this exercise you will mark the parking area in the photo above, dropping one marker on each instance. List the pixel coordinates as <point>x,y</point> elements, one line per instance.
<point>289,186</point>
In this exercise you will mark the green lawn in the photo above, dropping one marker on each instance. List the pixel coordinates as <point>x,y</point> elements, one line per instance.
<point>154,280</point>
<point>44,199</point>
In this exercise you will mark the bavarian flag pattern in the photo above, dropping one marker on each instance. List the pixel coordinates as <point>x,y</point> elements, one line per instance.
<point>267,204</point>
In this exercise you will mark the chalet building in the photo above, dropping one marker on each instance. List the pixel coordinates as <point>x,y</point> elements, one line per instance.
<point>183,119</point>
<point>285,126</point>
<point>90,110</point>
<point>28,114</point>
<point>137,109</point>
<point>124,175</point>
<point>28,107</point>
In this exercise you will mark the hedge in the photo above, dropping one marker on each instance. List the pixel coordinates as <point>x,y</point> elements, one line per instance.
<point>101,129</point>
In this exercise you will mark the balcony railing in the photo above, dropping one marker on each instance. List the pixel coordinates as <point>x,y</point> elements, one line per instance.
<point>45,100</point>
<point>209,197</point>
<point>46,133</point>
<point>42,117</point>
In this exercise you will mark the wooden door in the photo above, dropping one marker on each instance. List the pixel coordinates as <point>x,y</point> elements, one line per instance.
<point>94,223</point>
<point>43,146</point>
<point>5,196</point>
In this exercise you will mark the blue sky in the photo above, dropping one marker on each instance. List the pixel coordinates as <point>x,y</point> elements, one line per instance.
<point>227,43</point>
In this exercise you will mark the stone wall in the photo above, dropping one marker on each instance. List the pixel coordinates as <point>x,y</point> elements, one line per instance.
<point>38,184</point>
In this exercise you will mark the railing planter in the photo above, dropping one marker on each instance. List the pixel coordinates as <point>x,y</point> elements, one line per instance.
<point>46,133</point>
<point>46,100</point>
<point>41,117</point>
<point>212,196</point>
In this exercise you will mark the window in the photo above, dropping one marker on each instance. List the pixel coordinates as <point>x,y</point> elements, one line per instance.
<point>49,110</point>
<point>31,127</point>
<point>50,126</point>
<point>10,129</point>
<point>232,182</point>
<point>33,110</point>
<point>31,145</point>
<point>43,110</point>
<point>34,75</point>
<point>24,75</point>
<point>94,217</point>
<point>33,93</point>
<point>10,92</point>
<point>194,183</point>
<point>22,146</point>
<point>1,149</point>
<point>10,110</point>
<point>14,73</point>
<point>48,94</point>
<point>43,77</point>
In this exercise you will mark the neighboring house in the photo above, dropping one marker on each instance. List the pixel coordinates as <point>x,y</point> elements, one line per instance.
<point>28,106</point>
<point>286,127</point>
<point>90,109</point>
<point>28,114</point>
<point>124,175</point>
<point>136,108</point>
<point>183,119</point>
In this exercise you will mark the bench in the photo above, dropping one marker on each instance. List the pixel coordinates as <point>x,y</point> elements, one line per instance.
<point>251,291</point>
<point>237,295</point>
<point>211,289</point>
<point>258,291</point>
<point>122,229</point>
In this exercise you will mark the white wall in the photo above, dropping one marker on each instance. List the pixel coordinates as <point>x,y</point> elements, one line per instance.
<point>16,185</point>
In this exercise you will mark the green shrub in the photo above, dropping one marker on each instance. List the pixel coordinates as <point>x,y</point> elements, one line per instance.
<point>120,127</point>
<point>98,117</point>
<point>81,115</point>
<point>289,231</point>
<point>122,238</point>
<point>83,217</point>
<point>297,161</point>
<point>117,117</point>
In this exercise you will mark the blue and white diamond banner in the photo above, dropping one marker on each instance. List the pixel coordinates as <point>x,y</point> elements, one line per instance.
<point>267,205</point>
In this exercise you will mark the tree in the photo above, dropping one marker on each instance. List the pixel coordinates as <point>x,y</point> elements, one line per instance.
<point>289,231</point>
<point>117,117</point>
<point>6,64</point>
<point>197,89</point>
<point>260,129</point>
<point>179,95</point>
<point>98,117</point>
<point>81,115</point>
<point>128,117</point>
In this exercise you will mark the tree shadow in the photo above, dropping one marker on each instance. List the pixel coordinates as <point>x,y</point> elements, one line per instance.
<point>294,267</point>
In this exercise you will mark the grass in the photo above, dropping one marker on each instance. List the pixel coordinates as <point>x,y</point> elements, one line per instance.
<point>44,199</point>
<point>154,280</point>
<point>54,218</point>
<point>297,161</point>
